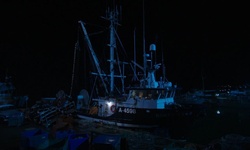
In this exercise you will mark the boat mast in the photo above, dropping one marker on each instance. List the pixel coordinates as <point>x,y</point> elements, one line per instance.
<point>112,16</point>
<point>112,47</point>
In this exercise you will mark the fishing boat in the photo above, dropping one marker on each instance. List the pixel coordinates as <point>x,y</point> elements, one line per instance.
<point>148,104</point>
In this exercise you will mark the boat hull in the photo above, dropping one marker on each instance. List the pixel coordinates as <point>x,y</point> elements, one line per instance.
<point>146,118</point>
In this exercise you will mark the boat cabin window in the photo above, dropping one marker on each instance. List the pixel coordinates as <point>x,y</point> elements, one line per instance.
<point>148,94</point>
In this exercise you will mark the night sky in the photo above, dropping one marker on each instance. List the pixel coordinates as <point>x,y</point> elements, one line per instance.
<point>207,39</point>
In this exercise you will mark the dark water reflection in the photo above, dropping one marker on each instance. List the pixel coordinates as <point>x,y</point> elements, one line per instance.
<point>229,117</point>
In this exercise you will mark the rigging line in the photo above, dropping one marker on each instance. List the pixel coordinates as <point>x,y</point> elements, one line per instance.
<point>92,24</point>
<point>97,64</point>
<point>73,70</point>
<point>121,73</point>
<point>100,32</point>
<point>104,28</point>
<point>134,69</point>
<point>92,90</point>
<point>74,62</point>
<point>135,78</point>
<point>120,43</point>
<point>163,66</point>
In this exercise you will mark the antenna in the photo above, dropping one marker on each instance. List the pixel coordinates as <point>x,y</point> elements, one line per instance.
<point>134,77</point>
<point>163,67</point>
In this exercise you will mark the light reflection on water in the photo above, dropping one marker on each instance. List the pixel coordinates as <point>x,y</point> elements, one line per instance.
<point>227,118</point>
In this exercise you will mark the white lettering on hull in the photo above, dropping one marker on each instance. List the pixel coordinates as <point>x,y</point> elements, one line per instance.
<point>127,110</point>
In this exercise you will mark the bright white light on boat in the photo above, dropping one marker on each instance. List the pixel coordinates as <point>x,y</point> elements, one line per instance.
<point>217,112</point>
<point>109,103</point>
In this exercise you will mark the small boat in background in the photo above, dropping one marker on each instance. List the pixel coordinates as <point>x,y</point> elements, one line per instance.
<point>6,91</point>
<point>8,96</point>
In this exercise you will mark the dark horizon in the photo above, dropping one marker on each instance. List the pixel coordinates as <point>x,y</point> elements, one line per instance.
<point>198,39</point>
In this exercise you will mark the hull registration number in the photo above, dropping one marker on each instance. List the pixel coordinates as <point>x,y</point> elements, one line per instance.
<point>127,110</point>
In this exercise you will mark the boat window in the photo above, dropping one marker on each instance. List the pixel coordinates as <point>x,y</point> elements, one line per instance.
<point>137,94</point>
<point>162,94</point>
<point>133,95</point>
<point>148,94</point>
